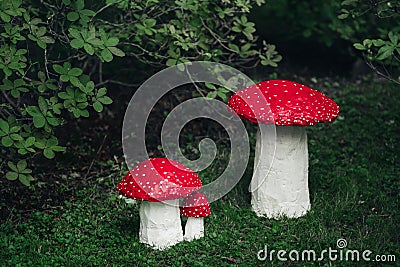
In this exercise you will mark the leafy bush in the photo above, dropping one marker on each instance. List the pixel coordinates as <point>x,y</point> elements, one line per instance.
<point>323,22</point>
<point>52,55</point>
<point>371,25</point>
<point>381,49</point>
<point>294,20</point>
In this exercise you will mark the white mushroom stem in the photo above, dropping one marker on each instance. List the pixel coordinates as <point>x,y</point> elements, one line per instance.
<point>160,224</point>
<point>281,188</point>
<point>194,228</point>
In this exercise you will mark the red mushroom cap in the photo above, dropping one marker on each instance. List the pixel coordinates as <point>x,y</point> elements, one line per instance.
<point>195,205</point>
<point>159,179</point>
<point>289,103</point>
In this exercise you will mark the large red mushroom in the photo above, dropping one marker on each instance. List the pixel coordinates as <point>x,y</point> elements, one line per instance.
<point>195,207</point>
<point>280,180</point>
<point>159,183</point>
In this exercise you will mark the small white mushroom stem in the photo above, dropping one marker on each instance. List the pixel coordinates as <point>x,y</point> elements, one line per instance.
<point>281,188</point>
<point>194,228</point>
<point>160,224</point>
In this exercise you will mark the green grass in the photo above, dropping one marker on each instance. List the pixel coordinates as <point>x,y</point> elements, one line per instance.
<point>355,192</point>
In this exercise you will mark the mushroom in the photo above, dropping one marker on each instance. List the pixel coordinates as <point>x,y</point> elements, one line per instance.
<point>195,207</point>
<point>159,183</point>
<point>280,179</point>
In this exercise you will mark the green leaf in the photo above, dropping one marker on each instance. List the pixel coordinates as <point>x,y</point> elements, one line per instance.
<point>75,72</point>
<point>52,141</point>
<point>180,67</point>
<point>15,93</point>
<point>236,29</point>
<point>59,69</point>
<point>41,44</point>
<point>23,151</point>
<point>24,180</point>
<point>210,86</point>
<point>26,171</point>
<point>21,165</point>
<point>394,38</point>
<point>359,46</point>
<point>212,95</point>
<point>234,47</point>
<point>72,16</point>
<point>76,112</point>
<point>7,141</point>
<point>75,81</point>
<point>79,4</point>
<point>48,153</point>
<point>101,92</point>
<point>12,176</point>
<point>80,97</point>
<point>88,48</point>
<point>47,39</point>
<point>105,100</point>
<point>87,12</point>
<point>58,148</point>
<point>15,129</point>
<point>89,87</point>
<point>106,55</point>
<point>64,95</point>
<point>174,54</point>
<point>171,62</point>
<point>77,43</point>
<point>51,86</point>
<point>39,121</point>
<point>12,166</point>
<point>29,141</point>
<point>19,82</point>
<point>385,52</point>
<point>150,22</point>
<point>64,78</point>
<point>5,17</point>
<point>42,104</point>
<point>16,137</point>
<point>378,42</point>
<point>40,144</point>
<point>116,51</point>
<point>53,121</point>
<point>98,106</point>
<point>41,76</point>
<point>113,41</point>
<point>95,42</point>
<point>7,85</point>
<point>222,95</point>
<point>4,125</point>
<point>84,113</point>
<point>75,33</point>
<point>33,110</point>
<point>367,42</point>
<point>246,47</point>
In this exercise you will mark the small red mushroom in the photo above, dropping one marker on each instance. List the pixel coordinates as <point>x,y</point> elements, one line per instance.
<point>195,207</point>
<point>280,181</point>
<point>159,183</point>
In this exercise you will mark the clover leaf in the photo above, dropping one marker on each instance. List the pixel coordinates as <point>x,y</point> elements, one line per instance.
<point>101,99</point>
<point>9,134</point>
<point>68,73</point>
<point>20,172</point>
<point>49,147</point>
